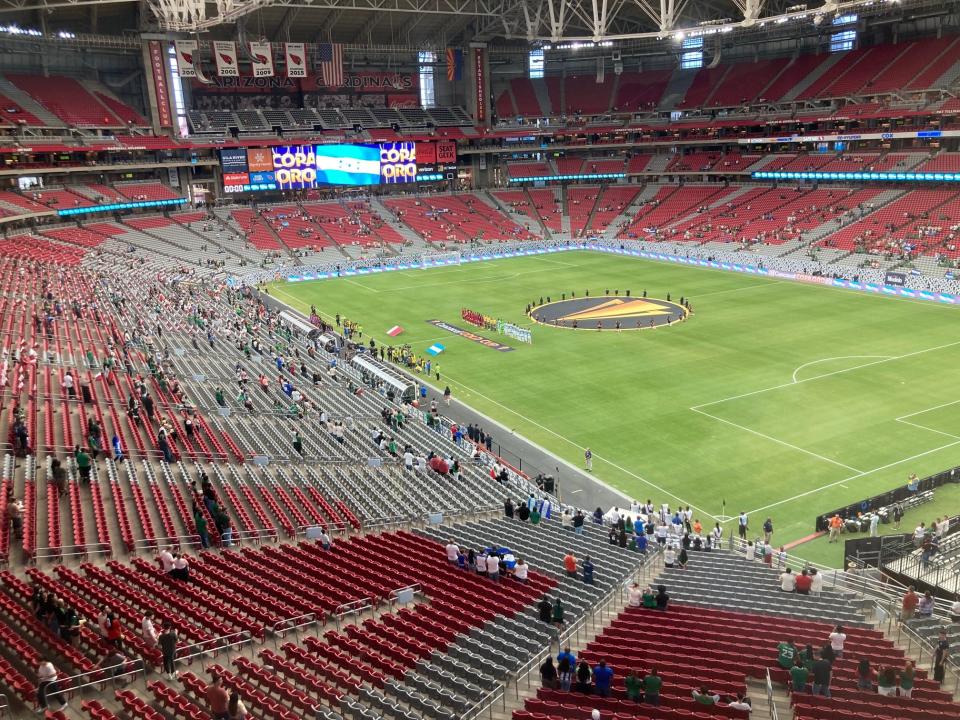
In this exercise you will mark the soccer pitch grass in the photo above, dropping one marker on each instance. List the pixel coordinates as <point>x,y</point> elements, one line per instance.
<point>778,398</point>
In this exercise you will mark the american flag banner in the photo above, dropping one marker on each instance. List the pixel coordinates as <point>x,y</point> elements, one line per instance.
<point>330,57</point>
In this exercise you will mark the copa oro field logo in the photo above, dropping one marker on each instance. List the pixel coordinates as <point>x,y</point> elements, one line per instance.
<point>608,313</point>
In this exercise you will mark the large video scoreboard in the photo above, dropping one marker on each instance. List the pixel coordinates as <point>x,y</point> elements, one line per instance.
<point>298,167</point>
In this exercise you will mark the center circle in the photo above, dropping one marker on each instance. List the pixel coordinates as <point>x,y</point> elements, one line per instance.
<point>608,313</point>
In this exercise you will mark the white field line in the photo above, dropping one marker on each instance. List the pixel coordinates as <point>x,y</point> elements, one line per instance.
<point>838,357</point>
<point>779,442</point>
<point>596,457</point>
<point>852,477</point>
<point>891,358</point>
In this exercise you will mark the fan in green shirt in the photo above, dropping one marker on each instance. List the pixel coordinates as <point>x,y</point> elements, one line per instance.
<point>652,684</point>
<point>786,654</point>
<point>649,598</point>
<point>634,686</point>
<point>798,677</point>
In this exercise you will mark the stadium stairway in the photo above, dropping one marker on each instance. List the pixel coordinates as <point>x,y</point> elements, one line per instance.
<point>812,77</point>
<point>677,88</point>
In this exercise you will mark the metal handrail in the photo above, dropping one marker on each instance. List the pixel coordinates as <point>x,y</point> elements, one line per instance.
<point>350,608</point>
<point>771,703</point>
<point>244,635</point>
<point>66,686</point>
<point>294,623</point>
<point>914,637</point>
<point>68,551</point>
<point>153,543</point>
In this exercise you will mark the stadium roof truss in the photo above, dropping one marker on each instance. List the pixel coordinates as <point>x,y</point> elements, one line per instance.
<point>430,23</point>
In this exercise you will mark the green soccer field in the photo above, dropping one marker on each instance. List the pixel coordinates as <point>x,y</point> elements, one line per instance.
<point>779,398</point>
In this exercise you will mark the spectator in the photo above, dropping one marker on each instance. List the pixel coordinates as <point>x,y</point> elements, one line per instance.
<point>649,598</point>
<point>602,678</point>
<point>558,614</point>
<point>114,631</point>
<point>181,568</point>
<point>741,702</point>
<point>545,608</point>
<point>578,520</point>
<point>822,670</point>
<point>816,582</point>
<point>507,506</point>
<point>682,558</point>
<point>565,667</point>
<point>799,676</point>
<point>548,674</point>
<point>14,516</point>
<point>325,541</point>
<point>570,564</point>
<point>925,607</point>
<point>940,656</point>
<point>908,606</point>
<point>149,630</point>
<point>493,567</point>
<point>887,681</point>
<point>84,463</point>
<point>47,686</point>
<point>662,597</point>
<point>218,702</point>
<point>705,697</point>
<point>235,708</point>
<point>453,550</point>
<point>906,679</point>
<point>955,610</point>
<point>767,530</point>
<point>669,556</point>
<point>786,654</point>
<point>168,649</point>
<point>864,675</point>
<point>837,638</point>
<point>634,595</point>
<point>166,560</point>
<point>584,675</point>
<point>803,582</point>
<point>588,571</point>
<point>788,583</point>
<point>521,570</point>
<point>634,686</point>
<point>113,665</point>
<point>652,684</point>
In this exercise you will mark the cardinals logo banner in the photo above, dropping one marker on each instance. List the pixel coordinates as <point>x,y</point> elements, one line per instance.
<point>186,54</point>
<point>225,53</point>
<point>296,54</point>
<point>261,57</point>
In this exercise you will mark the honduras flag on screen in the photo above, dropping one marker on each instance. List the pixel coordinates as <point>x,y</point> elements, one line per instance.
<point>348,165</point>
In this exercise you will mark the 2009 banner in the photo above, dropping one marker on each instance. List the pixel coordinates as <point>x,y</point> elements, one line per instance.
<point>261,59</point>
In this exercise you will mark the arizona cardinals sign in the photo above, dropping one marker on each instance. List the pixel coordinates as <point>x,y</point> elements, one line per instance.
<point>261,58</point>
<point>296,59</point>
<point>186,54</point>
<point>225,54</point>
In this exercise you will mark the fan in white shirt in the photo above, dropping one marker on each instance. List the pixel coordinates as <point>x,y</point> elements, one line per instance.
<point>453,551</point>
<point>520,570</point>
<point>788,581</point>
<point>166,559</point>
<point>836,640</point>
<point>149,631</point>
<point>635,596</point>
<point>493,566</point>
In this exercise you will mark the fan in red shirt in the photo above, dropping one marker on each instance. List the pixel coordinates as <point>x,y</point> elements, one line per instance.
<point>803,582</point>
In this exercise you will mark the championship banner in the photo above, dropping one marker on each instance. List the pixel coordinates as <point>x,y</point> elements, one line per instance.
<point>480,98</point>
<point>261,59</point>
<point>159,70</point>
<point>296,59</point>
<point>186,55</point>
<point>225,54</point>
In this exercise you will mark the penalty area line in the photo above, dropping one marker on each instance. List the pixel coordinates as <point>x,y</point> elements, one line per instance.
<point>857,476</point>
